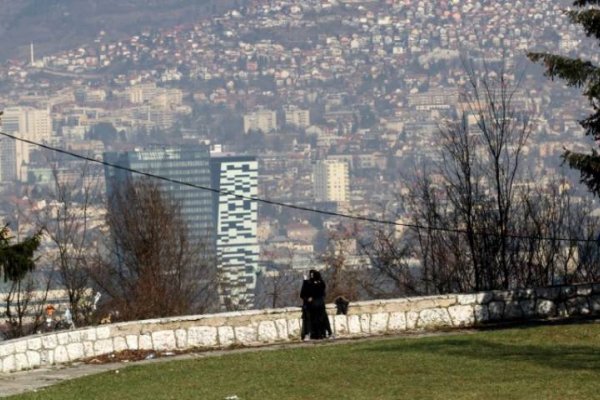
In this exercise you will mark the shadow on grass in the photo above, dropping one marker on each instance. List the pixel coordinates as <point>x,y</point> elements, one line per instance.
<point>563,357</point>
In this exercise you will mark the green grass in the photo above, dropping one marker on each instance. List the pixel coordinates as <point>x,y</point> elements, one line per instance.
<point>545,362</point>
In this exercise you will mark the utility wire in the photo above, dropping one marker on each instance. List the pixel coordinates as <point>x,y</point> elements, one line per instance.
<point>288,205</point>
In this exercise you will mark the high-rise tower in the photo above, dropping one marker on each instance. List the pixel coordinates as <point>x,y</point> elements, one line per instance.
<point>189,164</point>
<point>331,181</point>
<point>236,228</point>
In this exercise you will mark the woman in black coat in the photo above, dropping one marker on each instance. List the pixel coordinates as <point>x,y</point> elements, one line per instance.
<point>314,316</point>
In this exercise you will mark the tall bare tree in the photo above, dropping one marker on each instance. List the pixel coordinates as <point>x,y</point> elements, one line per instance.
<point>479,222</point>
<point>388,257</point>
<point>66,222</point>
<point>149,266</point>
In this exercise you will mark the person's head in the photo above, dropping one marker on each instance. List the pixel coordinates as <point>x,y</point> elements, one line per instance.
<point>314,275</point>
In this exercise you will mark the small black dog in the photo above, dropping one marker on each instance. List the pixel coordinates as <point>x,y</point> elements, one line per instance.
<point>341,303</point>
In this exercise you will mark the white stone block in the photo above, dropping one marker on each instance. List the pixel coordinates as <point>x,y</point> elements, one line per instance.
<point>434,317</point>
<point>595,304</point>
<point>75,337</point>
<point>466,299</point>
<point>282,332</point>
<point>145,342</point>
<point>226,336</point>
<point>34,359</point>
<point>202,336</point>
<point>49,342</point>
<point>397,322</point>
<point>354,324</point>
<point>245,335</point>
<point>484,298</point>
<point>21,346</point>
<point>34,344</point>
<point>89,335</point>
<point>8,364</point>
<point>49,357</point>
<point>379,322</point>
<point>340,325</point>
<point>88,349</point>
<point>294,328</point>
<point>462,315</point>
<point>7,349</point>
<point>267,332</point>
<point>103,346</point>
<point>132,342</point>
<point>63,338</point>
<point>481,314</point>
<point>61,355</point>
<point>412,317</point>
<point>545,308</point>
<point>21,362</point>
<point>164,340</point>
<point>528,307</point>
<point>584,290</point>
<point>119,344</point>
<point>181,338</point>
<point>365,320</point>
<point>75,351</point>
<point>103,332</point>
<point>496,310</point>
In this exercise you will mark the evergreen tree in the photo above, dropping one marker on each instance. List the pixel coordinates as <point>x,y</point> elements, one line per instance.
<point>16,260</point>
<point>581,74</point>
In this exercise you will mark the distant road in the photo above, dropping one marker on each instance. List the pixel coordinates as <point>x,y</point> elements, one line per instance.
<point>70,74</point>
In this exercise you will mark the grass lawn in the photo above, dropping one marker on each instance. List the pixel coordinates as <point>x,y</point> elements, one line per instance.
<point>543,362</point>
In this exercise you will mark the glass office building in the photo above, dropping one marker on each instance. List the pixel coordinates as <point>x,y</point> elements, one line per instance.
<point>189,164</point>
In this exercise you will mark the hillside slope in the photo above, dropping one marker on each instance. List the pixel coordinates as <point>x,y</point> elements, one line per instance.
<point>61,24</point>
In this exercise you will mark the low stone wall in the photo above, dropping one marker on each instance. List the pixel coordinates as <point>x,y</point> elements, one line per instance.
<point>258,327</point>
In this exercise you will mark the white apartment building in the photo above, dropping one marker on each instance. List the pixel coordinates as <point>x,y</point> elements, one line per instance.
<point>28,123</point>
<point>297,117</point>
<point>260,120</point>
<point>331,181</point>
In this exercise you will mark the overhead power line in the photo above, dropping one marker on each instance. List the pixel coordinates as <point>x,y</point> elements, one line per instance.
<point>288,205</point>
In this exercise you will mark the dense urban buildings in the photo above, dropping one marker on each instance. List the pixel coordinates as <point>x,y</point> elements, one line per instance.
<point>341,101</point>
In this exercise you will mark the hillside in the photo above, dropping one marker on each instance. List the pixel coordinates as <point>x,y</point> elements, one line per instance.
<point>61,24</point>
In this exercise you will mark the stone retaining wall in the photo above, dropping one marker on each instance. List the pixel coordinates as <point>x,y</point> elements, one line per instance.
<point>258,327</point>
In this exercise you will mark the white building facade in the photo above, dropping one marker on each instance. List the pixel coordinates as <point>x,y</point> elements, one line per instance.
<point>236,221</point>
<point>260,120</point>
<point>331,181</point>
<point>28,123</point>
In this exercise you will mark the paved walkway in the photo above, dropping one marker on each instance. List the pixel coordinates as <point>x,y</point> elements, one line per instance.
<point>33,380</point>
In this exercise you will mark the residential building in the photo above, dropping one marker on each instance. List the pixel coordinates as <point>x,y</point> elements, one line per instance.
<point>297,117</point>
<point>331,181</point>
<point>260,120</point>
<point>27,123</point>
